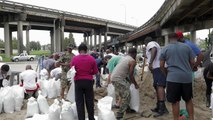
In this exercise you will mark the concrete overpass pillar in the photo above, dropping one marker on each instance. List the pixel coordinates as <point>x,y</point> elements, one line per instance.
<point>20,37</point>
<point>52,41</point>
<point>11,44</point>
<point>105,41</point>
<point>85,38</point>
<point>7,39</point>
<point>90,44</point>
<point>193,36</point>
<point>57,40</point>
<point>166,40</point>
<point>95,41</point>
<point>28,39</point>
<point>62,35</point>
<point>99,47</point>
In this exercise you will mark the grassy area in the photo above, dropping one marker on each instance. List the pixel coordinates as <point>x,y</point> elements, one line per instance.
<point>40,52</point>
<point>37,53</point>
<point>5,59</point>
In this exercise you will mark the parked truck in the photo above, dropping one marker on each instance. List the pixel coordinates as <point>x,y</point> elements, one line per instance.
<point>23,57</point>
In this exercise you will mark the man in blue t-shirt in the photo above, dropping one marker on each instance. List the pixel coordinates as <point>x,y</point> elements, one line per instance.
<point>180,60</point>
<point>194,48</point>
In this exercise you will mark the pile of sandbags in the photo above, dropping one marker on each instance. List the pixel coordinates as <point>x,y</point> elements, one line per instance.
<point>11,99</point>
<point>40,110</point>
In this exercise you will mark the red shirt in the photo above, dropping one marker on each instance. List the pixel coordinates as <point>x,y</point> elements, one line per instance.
<point>85,66</point>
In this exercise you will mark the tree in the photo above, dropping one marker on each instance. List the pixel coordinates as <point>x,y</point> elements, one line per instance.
<point>15,43</point>
<point>187,36</point>
<point>1,43</point>
<point>69,40</point>
<point>35,45</point>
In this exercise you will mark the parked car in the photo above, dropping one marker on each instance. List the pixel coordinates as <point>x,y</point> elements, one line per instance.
<point>23,57</point>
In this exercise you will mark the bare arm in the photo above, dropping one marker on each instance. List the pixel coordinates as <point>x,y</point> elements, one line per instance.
<point>162,67</point>
<point>153,56</point>
<point>209,77</point>
<point>131,73</point>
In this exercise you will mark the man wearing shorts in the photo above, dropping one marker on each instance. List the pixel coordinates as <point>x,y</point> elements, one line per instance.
<point>153,53</point>
<point>64,61</point>
<point>180,60</point>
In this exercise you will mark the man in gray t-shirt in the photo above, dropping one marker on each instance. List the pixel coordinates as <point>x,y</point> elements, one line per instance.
<point>180,60</point>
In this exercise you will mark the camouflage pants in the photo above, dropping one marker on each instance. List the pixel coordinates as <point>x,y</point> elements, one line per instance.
<point>64,80</point>
<point>122,89</point>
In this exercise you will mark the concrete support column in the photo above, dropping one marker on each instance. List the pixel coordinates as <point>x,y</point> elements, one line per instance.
<point>85,38</point>
<point>87,42</point>
<point>11,44</point>
<point>57,40</point>
<point>20,37</point>
<point>105,41</point>
<point>193,36</point>
<point>90,45</point>
<point>99,47</point>
<point>95,41</point>
<point>166,40</point>
<point>52,41</point>
<point>7,39</point>
<point>62,35</point>
<point>28,39</point>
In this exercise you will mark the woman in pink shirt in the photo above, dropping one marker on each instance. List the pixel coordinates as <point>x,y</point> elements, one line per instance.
<point>85,66</point>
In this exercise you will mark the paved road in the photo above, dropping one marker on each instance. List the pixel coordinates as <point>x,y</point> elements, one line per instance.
<point>20,66</point>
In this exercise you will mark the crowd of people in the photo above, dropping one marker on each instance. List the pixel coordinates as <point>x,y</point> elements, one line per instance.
<point>172,68</point>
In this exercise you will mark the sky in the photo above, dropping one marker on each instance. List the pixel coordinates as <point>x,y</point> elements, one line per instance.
<point>133,12</point>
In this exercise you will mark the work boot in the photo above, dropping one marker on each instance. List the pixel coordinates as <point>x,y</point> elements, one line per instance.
<point>120,116</point>
<point>161,110</point>
<point>208,100</point>
<point>156,108</point>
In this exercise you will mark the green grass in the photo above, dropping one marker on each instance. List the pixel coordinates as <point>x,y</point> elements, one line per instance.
<point>5,59</point>
<point>40,53</point>
<point>37,53</point>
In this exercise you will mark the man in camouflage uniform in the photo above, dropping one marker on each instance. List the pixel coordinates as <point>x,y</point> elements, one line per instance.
<point>64,61</point>
<point>123,70</point>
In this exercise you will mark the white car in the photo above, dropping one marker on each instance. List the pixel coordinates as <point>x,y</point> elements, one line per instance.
<point>23,57</point>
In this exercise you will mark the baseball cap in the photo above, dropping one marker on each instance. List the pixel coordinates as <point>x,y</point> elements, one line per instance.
<point>179,34</point>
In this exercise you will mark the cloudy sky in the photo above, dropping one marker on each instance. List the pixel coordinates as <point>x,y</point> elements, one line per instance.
<point>137,12</point>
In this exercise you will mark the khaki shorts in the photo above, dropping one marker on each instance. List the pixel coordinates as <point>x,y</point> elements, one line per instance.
<point>64,81</point>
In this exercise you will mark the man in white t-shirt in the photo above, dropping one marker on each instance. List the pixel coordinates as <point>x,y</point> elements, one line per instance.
<point>4,73</point>
<point>153,52</point>
<point>29,79</point>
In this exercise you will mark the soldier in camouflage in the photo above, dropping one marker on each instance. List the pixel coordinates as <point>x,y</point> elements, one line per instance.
<point>64,61</point>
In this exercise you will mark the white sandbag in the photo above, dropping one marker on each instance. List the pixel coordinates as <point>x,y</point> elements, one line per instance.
<point>18,96</point>
<point>44,74</point>
<point>111,93</point>
<point>32,107</point>
<point>5,83</point>
<point>96,118</point>
<point>58,86</point>
<point>74,109</point>
<point>104,76</point>
<point>73,71</point>
<point>135,98</point>
<point>8,100</point>
<point>71,92</point>
<point>67,112</point>
<point>44,86</point>
<point>199,73</point>
<point>39,117</point>
<point>54,111</point>
<point>42,104</point>
<point>104,109</point>
<point>52,91</point>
